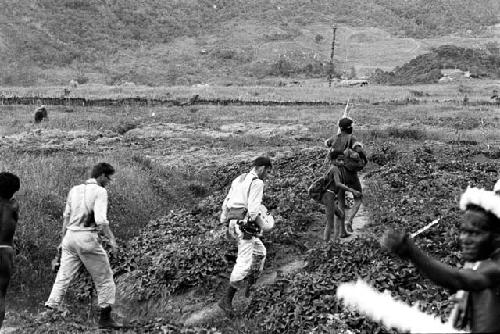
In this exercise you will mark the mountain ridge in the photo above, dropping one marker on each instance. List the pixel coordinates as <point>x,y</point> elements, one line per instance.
<point>183,42</point>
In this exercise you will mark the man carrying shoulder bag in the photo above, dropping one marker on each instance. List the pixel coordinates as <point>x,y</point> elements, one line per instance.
<point>247,218</point>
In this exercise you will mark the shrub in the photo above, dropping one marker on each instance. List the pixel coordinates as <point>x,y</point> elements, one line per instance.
<point>82,78</point>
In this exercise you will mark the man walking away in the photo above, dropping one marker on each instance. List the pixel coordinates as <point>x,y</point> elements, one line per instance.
<point>84,217</point>
<point>9,213</point>
<point>347,153</point>
<point>245,199</point>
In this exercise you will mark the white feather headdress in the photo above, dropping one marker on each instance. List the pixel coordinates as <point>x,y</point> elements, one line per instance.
<point>485,199</point>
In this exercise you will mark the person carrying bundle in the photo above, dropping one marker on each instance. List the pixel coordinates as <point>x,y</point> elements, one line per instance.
<point>242,209</point>
<point>348,155</point>
<point>478,283</point>
<point>332,199</point>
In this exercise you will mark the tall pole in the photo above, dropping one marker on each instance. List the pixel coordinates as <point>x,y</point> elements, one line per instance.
<point>330,74</point>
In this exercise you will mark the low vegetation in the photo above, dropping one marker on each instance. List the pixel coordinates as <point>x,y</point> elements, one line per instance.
<point>158,246</point>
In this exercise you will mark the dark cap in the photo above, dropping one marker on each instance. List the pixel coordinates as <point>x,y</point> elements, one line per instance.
<point>262,161</point>
<point>345,123</point>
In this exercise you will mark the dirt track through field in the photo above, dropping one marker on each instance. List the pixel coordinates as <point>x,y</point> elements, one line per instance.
<point>294,264</point>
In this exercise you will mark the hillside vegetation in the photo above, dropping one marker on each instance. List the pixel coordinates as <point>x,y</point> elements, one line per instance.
<point>181,42</point>
<point>427,68</point>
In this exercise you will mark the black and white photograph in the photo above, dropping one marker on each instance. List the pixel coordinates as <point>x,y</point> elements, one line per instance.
<point>249,166</point>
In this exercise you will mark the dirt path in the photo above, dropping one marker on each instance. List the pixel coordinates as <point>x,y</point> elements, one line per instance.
<point>295,263</point>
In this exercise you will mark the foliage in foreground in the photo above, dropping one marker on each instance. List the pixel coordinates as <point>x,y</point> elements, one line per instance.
<point>407,193</point>
<point>45,182</point>
<point>184,249</point>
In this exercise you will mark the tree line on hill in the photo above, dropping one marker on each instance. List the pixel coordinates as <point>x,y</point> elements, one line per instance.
<point>48,35</point>
<point>426,68</point>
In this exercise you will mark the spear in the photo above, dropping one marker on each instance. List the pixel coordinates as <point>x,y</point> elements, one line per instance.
<point>346,111</point>
<point>425,228</point>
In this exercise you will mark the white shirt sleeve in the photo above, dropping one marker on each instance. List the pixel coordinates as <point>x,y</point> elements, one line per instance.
<point>255,198</point>
<point>101,207</point>
<point>67,209</point>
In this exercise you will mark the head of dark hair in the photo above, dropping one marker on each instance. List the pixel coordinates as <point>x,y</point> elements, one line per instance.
<point>9,184</point>
<point>492,221</point>
<point>102,168</point>
<point>263,161</point>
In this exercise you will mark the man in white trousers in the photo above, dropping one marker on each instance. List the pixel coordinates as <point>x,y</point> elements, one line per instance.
<point>85,216</point>
<point>245,198</point>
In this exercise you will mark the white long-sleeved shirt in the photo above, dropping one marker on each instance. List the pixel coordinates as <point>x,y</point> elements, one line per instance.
<point>246,191</point>
<point>81,200</point>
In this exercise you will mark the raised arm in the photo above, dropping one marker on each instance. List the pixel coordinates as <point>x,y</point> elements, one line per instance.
<point>449,277</point>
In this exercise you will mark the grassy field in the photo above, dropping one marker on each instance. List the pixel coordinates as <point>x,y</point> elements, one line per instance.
<point>166,161</point>
<point>309,90</point>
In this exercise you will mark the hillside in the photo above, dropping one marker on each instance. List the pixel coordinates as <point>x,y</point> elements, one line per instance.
<point>183,42</point>
<point>427,68</point>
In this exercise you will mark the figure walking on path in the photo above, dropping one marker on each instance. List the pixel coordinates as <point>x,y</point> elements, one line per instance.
<point>335,210</point>
<point>478,283</point>
<point>247,219</point>
<point>85,216</point>
<point>348,155</point>
<point>9,214</point>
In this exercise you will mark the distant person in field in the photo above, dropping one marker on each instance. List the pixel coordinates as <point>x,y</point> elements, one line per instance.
<point>495,96</point>
<point>85,216</point>
<point>9,213</point>
<point>247,218</point>
<point>348,154</point>
<point>478,284</point>
<point>41,113</point>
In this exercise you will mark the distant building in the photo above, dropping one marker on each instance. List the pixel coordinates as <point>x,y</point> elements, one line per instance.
<point>453,74</point>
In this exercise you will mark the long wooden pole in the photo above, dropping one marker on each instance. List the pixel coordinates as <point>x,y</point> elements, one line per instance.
<point>330,74</point>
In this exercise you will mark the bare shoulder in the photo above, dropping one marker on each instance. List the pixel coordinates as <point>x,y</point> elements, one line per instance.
<point>491,268</point>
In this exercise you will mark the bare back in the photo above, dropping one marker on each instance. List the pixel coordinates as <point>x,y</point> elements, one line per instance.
<point>9,214</point>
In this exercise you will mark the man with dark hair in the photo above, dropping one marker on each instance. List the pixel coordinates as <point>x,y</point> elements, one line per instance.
<point>9,214</point>
<point>347,153</point>
<point>478,284</point>
<point>84,217</point>
<point>245,199</point>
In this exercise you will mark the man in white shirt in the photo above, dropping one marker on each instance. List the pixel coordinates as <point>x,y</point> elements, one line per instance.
<point>246,194</point>
<point>84,217</point>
